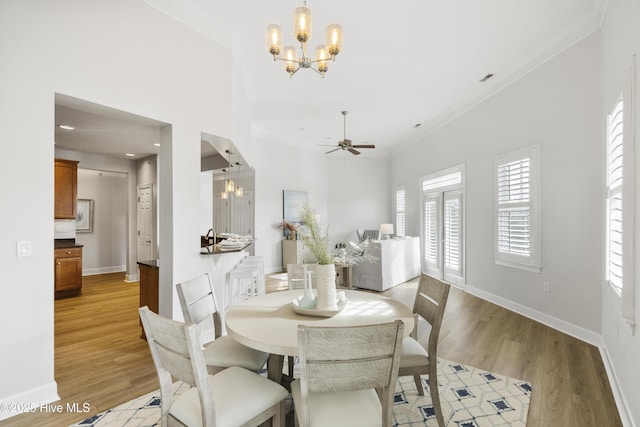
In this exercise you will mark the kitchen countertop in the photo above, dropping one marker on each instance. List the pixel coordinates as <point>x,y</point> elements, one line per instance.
<point>65,243</point>
<point>217,249</point>
<point>150,263</point>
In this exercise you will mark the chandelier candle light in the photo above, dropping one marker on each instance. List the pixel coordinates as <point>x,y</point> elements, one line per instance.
<point>302,33</point>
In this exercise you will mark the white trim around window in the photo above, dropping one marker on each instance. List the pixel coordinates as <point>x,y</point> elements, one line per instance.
<point>517,209</point>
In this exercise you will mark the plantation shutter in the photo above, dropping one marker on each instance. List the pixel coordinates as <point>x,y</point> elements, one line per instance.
<point>432,235</point>
<point>614,197</point>
<point>517,218</point>
<point>452,245</point>
<point>400,213</point>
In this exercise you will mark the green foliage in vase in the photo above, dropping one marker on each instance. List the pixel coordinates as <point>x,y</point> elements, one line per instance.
<point>314,235</point>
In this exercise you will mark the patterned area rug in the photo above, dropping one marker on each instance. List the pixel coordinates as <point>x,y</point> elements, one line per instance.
<point>470,397</point>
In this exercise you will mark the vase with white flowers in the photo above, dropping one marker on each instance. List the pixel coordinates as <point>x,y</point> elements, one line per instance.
<point>314,236</point>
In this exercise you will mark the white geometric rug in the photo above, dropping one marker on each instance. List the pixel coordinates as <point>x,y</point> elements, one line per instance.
<point>469,397</point>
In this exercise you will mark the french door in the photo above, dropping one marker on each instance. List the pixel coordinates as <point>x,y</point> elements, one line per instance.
<point>443,229</point>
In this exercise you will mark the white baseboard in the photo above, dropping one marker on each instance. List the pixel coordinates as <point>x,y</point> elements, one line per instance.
<point>29,400</point>
<point>553,322</point>
<point>621,403</point>
<point>130,278</point>
<point>103,270</point>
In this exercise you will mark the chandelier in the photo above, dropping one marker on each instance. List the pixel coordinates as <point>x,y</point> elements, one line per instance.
<point>302,33</point>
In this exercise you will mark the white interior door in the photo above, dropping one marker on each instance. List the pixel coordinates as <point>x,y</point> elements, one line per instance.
<point>145,222</point>
<point>243,214</point>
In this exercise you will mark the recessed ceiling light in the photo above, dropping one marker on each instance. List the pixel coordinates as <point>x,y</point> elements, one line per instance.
<point>157,144</point>
<point>417,125</point>
<point>66,127</point>
<point>129,154</point>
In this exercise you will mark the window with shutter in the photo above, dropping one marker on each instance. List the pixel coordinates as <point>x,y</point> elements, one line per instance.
<point>400,212</point>
<point>517,228</point>
<point>615,170</point>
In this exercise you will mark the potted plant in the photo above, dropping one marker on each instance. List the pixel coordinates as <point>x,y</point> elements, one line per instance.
<point>315,238</point>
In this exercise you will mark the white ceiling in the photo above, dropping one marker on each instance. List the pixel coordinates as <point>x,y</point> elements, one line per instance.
<point>407,63</point>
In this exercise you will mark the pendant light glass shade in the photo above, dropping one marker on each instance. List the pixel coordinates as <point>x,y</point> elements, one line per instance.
<point>291,59</point>
<point>273,39</point>
<point>334,39</point>
<point>229,186</point>
<point>223,194</point>
<point>238,188</point>
<point>302,24</point>
<point>321,58</point>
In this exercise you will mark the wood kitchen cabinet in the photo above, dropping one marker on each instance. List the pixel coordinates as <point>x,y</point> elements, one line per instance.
<point>66,189</point>
<point>149,278</point>
<point>68,271</point>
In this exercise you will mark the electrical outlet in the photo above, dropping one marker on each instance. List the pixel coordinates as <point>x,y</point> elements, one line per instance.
<point>547,287</point>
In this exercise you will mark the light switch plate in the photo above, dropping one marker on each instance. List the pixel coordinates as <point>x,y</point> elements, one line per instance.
<point>23,248</point>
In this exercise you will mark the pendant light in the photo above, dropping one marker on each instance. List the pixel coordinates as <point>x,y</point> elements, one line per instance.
<point>223,194</point>
<point>239,190</point>
<point>229,185</point>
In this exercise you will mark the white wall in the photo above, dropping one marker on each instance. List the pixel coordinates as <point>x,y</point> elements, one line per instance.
<point>105,248</point>
<point>359,194</point>
<point>556,106</point>
<point>621,40</point>
<point>124,55</point>
<point>279,167</point>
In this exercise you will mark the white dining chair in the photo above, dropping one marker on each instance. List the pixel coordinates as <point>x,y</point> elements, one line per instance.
<point>347,375</point>
<point>430,302</point>
<point>232,397</point>
<point>296,274</point>
<point>198,302</point>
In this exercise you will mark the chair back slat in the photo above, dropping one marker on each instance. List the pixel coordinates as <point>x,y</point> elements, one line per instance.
<point>430,303</point>
<point>349,358</point>
<point>176,350</point>
<point>168,344</point>
<point>198,302</point>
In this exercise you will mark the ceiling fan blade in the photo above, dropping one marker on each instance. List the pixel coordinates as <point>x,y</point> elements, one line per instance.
<point>331,151</point>
<point>351,150</point>
<point>364,146</point>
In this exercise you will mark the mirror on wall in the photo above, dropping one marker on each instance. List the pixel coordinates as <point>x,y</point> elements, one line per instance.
<point>225,207</point>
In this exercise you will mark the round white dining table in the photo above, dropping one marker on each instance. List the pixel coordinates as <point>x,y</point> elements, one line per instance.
<point>270,324</point>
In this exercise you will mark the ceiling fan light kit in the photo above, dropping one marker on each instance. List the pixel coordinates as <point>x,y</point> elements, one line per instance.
<point>302,33</point>
<point>345,144</point>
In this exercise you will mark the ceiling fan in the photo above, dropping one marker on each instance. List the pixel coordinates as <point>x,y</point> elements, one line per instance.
<point>345,144</point>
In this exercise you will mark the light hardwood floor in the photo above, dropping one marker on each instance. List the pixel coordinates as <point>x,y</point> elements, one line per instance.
<point>101,360</point>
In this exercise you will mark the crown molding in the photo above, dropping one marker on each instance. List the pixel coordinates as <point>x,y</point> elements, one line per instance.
<point>580,29</point>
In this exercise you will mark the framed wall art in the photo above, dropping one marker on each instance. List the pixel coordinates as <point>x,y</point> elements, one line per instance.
<point>84,217</point>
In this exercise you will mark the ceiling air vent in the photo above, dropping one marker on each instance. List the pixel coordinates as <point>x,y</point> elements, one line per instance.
<point>485,78</point>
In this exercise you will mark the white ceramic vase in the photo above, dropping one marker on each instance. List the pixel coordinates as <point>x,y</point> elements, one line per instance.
<point>326,287</point>
<point>308,300</point>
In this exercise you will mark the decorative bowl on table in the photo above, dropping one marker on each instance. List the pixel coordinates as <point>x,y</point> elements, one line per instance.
<point>341,302</point>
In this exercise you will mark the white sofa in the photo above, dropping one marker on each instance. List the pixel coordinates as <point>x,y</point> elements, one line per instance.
<point>397,260</point>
